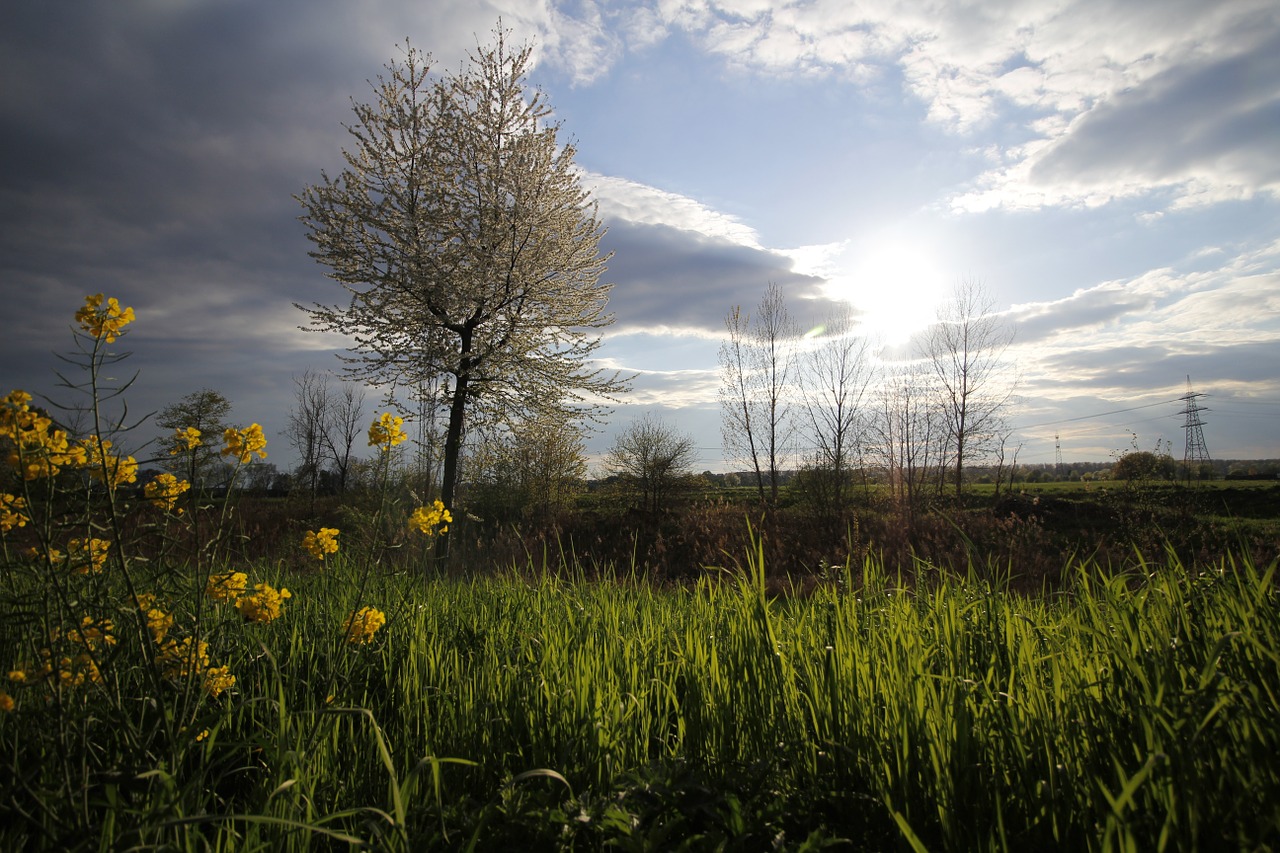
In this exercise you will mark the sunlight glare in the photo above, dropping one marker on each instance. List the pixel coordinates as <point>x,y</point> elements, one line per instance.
<point>894,285</point>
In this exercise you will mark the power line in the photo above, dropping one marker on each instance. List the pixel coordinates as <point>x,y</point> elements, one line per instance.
<point>1101,414</point>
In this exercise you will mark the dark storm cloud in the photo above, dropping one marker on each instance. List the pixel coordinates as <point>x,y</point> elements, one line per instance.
<point>152,150</point>
<point>677,279</point>
<point>1217,119</point>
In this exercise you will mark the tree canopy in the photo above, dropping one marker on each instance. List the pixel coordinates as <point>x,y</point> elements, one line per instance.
<point>468,247</point>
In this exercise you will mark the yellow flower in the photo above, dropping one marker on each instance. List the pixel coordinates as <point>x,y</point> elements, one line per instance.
<point>15,411</point>
<point>362,624</point>
<point>158,622</point>
<point>104,323</point>
<point>86,556</point>
<point>165,490</point>
<point>264,604</point>
<point>216,680</point>
<point>11,512</point>
<point>385,432</point>
<point>90,634</point>
<point>68,671</point>
<point>103,466</point>
<point>54,556</point>
<point>179,660</point>
<point>321,542</point>
<point>6,702</point>
<point>38,449</point>
<point>425,520</point>
<point>189,437</point>
<point>243,443</point>
<point>228,586</point>
<point>18,675</point>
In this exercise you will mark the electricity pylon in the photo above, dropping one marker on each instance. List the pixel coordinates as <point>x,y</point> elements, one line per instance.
<point>1196,457</point>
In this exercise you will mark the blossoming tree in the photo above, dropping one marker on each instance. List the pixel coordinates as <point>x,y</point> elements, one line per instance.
<point>468,246</point>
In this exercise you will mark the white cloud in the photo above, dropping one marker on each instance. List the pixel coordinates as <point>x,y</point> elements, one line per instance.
<point>1121,99</point>
<point>646,205</point>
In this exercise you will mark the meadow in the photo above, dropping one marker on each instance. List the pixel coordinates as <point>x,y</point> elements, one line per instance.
<point>184,696</point>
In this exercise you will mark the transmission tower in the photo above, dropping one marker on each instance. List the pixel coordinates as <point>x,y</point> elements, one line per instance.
<point>1196,457</point>
<point>1057,454</point>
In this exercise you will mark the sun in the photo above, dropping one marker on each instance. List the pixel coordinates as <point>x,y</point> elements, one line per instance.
<point>894,284</point>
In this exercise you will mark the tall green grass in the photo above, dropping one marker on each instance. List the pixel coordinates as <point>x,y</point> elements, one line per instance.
<point>535,709</point>
<point>1137,712</point>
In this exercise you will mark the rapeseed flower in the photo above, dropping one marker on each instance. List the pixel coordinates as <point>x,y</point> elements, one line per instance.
<point>14,412</point>
<point>53,555</point>
<point>321,542</point>
<point>385,433</point>
<point>186,659</point>
<point>68,671</point>
<point>90,635</point>
<point>165,490</point>
<point>430,520</point>
<point>86,556</point>
<point>362,624</point>
<point>6,702</point>
<point>158,622</point>
<point>264,604</point>
<point>189,437</point>
<point>11,512</point>
<point>181,659</point>
<point>39,450</point>
<point>105,467</point>
<point>228,586</point>
<point>216,680</point>
<point>104,323</point>
<point>243,443</point>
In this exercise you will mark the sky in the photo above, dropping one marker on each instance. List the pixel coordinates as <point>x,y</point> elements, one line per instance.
<point>1108,171</point>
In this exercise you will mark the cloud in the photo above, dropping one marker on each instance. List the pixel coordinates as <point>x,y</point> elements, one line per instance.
<point>1135,341</point>
<point>1102,304</point>
<point>1203,131</point>
<point>1236,302</point>
<point>683,281</point>
<point>1093,100</point>
<point>641,204</point>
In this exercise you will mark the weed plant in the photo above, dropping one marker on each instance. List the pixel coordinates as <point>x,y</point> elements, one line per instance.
<point>176,704</point>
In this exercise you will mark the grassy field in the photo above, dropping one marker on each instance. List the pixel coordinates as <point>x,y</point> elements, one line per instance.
<point>1137,712</point>
<point>163,690</point>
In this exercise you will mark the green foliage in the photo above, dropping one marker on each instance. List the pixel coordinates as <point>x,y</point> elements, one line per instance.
<point>1140,465</point>
<point>205,411</point>
<point>536,709</point>
<point>575,713</point>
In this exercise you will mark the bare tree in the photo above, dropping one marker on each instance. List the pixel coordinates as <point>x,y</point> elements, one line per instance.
<point>738,404</point>
<point>468,245</point>
<point>965,350</point>
<point>345,425</point>
<point>907,433</point>
<point>835,376</point>
<point>757,370</point>
<point>308,423</point>
<point>652,458</point>
<point>323,427</point>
